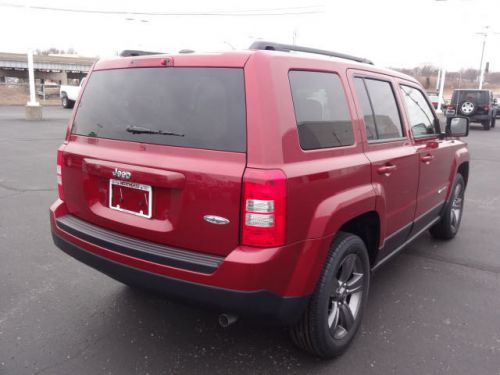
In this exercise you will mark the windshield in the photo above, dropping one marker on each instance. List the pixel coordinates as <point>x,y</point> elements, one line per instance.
<point>188,107</point>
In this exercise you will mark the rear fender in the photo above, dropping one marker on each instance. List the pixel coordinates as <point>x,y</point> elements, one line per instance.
<point>337,210</point>
<point>331,214</point>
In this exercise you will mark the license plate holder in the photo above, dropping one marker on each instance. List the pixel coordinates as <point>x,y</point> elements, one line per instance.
<point>131,197</point>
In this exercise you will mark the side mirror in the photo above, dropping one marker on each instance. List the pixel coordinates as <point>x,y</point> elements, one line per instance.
<point>457,127</point>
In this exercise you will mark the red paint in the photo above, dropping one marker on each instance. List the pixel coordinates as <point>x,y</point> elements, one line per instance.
<point>315,192</point>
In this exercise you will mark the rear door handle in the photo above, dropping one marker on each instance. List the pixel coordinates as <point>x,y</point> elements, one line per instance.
<point>427,158</point>
<point>387,169</point>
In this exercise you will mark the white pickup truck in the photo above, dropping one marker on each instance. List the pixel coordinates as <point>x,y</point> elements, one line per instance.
<point>68,94</point>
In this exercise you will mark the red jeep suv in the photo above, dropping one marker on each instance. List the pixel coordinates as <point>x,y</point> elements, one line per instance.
<point>267,183</point>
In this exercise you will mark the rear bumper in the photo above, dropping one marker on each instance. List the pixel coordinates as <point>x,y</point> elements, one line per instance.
<point>270,284</point>
<point>261,304</point>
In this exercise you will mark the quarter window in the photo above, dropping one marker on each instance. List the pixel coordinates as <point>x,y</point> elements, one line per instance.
<point>321,110</point>
<point>419,112</point>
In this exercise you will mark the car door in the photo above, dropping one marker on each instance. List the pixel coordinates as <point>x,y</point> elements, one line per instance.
<point>435,156</point>
<point>393,157</point>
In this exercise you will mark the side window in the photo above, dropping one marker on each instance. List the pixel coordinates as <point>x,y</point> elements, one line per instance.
<point>366,107</point>
<point>321,110</point>
<point>419,112</point>
<point>385,109</point>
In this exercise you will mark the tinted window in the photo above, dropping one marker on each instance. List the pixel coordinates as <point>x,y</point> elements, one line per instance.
<point>385,109</point>
<point>419,113</point>
<point>321,110</point>
<point>474,96</point>
<point>371,130</point>
<point>204,107</point>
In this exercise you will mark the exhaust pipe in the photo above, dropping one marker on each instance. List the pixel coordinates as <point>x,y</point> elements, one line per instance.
<point>225,320</point>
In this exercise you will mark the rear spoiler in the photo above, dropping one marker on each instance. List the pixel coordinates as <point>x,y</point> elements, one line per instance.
<point>133,52</point>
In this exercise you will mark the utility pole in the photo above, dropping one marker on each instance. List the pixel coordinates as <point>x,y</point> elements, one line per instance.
<point>441,89</point>
<point>294,36</point>
<point>31,78</point>
<point>438,80</point>
<point>481,65</point>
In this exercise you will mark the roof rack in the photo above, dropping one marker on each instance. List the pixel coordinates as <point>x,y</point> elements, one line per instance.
<point>133,52</point>
<point>271,46</point>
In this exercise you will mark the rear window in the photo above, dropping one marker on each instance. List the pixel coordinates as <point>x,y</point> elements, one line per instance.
<point>474,96</point>
<point>187,107</point>
<point>321,110</point>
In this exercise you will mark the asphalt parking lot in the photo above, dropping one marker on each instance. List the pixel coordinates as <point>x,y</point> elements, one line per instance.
<point>434,309</point>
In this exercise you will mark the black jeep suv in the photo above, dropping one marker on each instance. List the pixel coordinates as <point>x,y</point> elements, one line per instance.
<point>477,105</point>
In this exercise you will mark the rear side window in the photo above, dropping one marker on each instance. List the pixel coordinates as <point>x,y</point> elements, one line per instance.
<point>321,110</point>
<point>187,107</point>
<point>385,109</point>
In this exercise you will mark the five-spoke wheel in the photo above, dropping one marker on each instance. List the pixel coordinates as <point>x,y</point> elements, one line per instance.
<point>334,312</point>
<point>346,295</point>
<point>447,227</point>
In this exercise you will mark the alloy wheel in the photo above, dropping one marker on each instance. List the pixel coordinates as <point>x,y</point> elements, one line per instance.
<point>346,296</point>
<point>456,207</point>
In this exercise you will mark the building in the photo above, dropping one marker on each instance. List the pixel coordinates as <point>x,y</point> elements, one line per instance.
<point>54,68</point>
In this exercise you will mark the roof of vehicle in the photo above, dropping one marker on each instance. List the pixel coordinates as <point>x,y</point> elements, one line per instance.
<point>471,90</point>
<point>235,59</point>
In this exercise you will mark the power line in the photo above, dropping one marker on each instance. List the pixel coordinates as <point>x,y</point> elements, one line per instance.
<point>243,13</point>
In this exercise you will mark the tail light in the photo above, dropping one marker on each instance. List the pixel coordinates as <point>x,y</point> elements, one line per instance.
<point>486,107</point>
<point>60,190</point>
<point>264,204</point>
<point>451,106</point>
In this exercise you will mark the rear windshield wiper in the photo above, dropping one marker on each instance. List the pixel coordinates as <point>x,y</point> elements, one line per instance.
<point>141,130</point>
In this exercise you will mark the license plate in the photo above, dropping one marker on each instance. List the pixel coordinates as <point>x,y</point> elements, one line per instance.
<point>131,197</point>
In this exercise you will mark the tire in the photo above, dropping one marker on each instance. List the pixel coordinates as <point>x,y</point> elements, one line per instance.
<point>65,102</point>
<point>467,108</point>
<point>334,314</point>
<point>486,124</point>
<point>448,226</point>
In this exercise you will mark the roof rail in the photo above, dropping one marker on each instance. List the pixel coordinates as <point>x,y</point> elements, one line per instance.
<point>271,46</point>
<point>133,52</point>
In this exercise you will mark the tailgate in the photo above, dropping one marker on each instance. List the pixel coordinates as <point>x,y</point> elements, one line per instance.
<point>186,184</point>
<point>153,152</point>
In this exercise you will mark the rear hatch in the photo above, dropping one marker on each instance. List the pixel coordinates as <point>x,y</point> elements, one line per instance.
<point>479,98</point>
<point>153,150</point>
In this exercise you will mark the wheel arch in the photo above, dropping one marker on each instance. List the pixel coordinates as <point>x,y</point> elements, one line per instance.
<point>367,227</point>
<point>463,169</point>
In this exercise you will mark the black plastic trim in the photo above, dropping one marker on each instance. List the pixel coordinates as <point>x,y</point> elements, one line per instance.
<point>134,52</point>
<point>146,250</point>
<point>424,219</point>
<point>262,304</point>
<point>395,240</point>
<point>418,226</point>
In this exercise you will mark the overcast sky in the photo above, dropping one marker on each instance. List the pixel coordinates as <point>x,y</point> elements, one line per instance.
<point>398,33</point>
